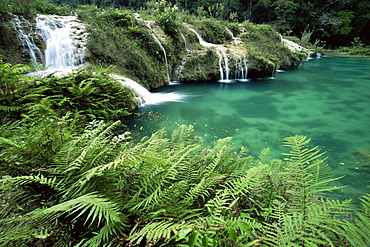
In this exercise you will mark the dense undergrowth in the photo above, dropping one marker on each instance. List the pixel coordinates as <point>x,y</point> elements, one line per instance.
<point>69,179</point>
<point>38,115</point>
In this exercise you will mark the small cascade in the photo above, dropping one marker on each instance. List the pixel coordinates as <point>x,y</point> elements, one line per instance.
<point>157,39</point>
<point>60,50</point>
<point>241,69</point>
<point>185,42</point>
<point>232,36</point>
<point>223,60</point>
<point>25,37</point>
<point>165,56</point>
<point>246,68</point>
<point>144,96</point>
<point>177,74</point>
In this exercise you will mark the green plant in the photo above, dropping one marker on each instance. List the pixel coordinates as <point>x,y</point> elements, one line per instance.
<point>166,14</point>
<point>12,80</point>
<point>104,190</point>
<point>81,93</point>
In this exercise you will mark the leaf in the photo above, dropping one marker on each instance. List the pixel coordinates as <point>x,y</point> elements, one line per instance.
<point>245,227</point>
<point>184,232</point>
<point>193,239</point>
<point>232,233</point>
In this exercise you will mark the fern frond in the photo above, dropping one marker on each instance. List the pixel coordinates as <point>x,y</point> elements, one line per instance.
<point>241,185</point>
<point>7,142</point>
<point>99,137</point>
<point>158,231</point>
<point>317,226</point>
<point>94,207</point>
<point>357,231</point>
<point>9,108</point>
<point>53,183</point>
<point>202,189</point>
<point>184,135</point>
<point>299,153</point>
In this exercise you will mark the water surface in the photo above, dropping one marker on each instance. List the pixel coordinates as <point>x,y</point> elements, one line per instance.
<point>326,99</point>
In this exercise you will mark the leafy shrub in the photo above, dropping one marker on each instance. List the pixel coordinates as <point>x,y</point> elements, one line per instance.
<point>12,84</point>
<point>84,93</point>
<point>169,190</point>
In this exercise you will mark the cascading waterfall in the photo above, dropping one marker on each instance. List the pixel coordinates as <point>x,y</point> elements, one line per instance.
<point>246,68</point>
<point>165,56</point>
<point>223,60</point>
<point>154,35</point>
<point>144,96</point>
<point>241,69</point>
<point>25,37</point>
<point>177,75</point>
<point>60,50</point>
<point>232,36</point>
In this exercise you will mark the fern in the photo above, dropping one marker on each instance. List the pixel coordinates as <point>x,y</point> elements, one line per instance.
<point>9,108</point>
<point>307,176</point>
<point>94,208</point>
<point>53,183</point>
<point>8,142</point>
<point>155,231</point>
<point>317,226</point>
<point>357,230</point>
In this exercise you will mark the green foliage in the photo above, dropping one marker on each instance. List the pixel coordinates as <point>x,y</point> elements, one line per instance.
<point>116,37</point>
<point>173,190</point>
<point>265,53</point>
<point>213,30</point>
<point>28,145</point>
<point>39,115</point>
<point>167,15</point>
<point>30,7</point>
<point>11,84</point>
<point>357,48</point>
<point>83,92</point>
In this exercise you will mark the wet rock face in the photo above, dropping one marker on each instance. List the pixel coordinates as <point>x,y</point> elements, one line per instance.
<point>79,36</point>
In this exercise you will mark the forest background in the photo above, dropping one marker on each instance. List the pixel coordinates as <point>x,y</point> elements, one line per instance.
<point>332,23</point>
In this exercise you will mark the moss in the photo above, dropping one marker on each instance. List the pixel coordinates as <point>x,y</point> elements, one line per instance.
<point>201,66</point>
<point>116,38</point>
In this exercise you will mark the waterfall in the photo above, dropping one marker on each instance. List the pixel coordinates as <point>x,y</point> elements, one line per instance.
<point>62,53</point>
<point>241,69</point>
<point>177,75</point>
<point>223,60</point>
<point>144,96</point>
<point>57,32</point>
<point>60,50</point>
<point>21,25</point>
<point>165,56</point>
<point>157,39</point>
<point>232,36</point>
<point>185,42</point>
<point>246,68</point>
